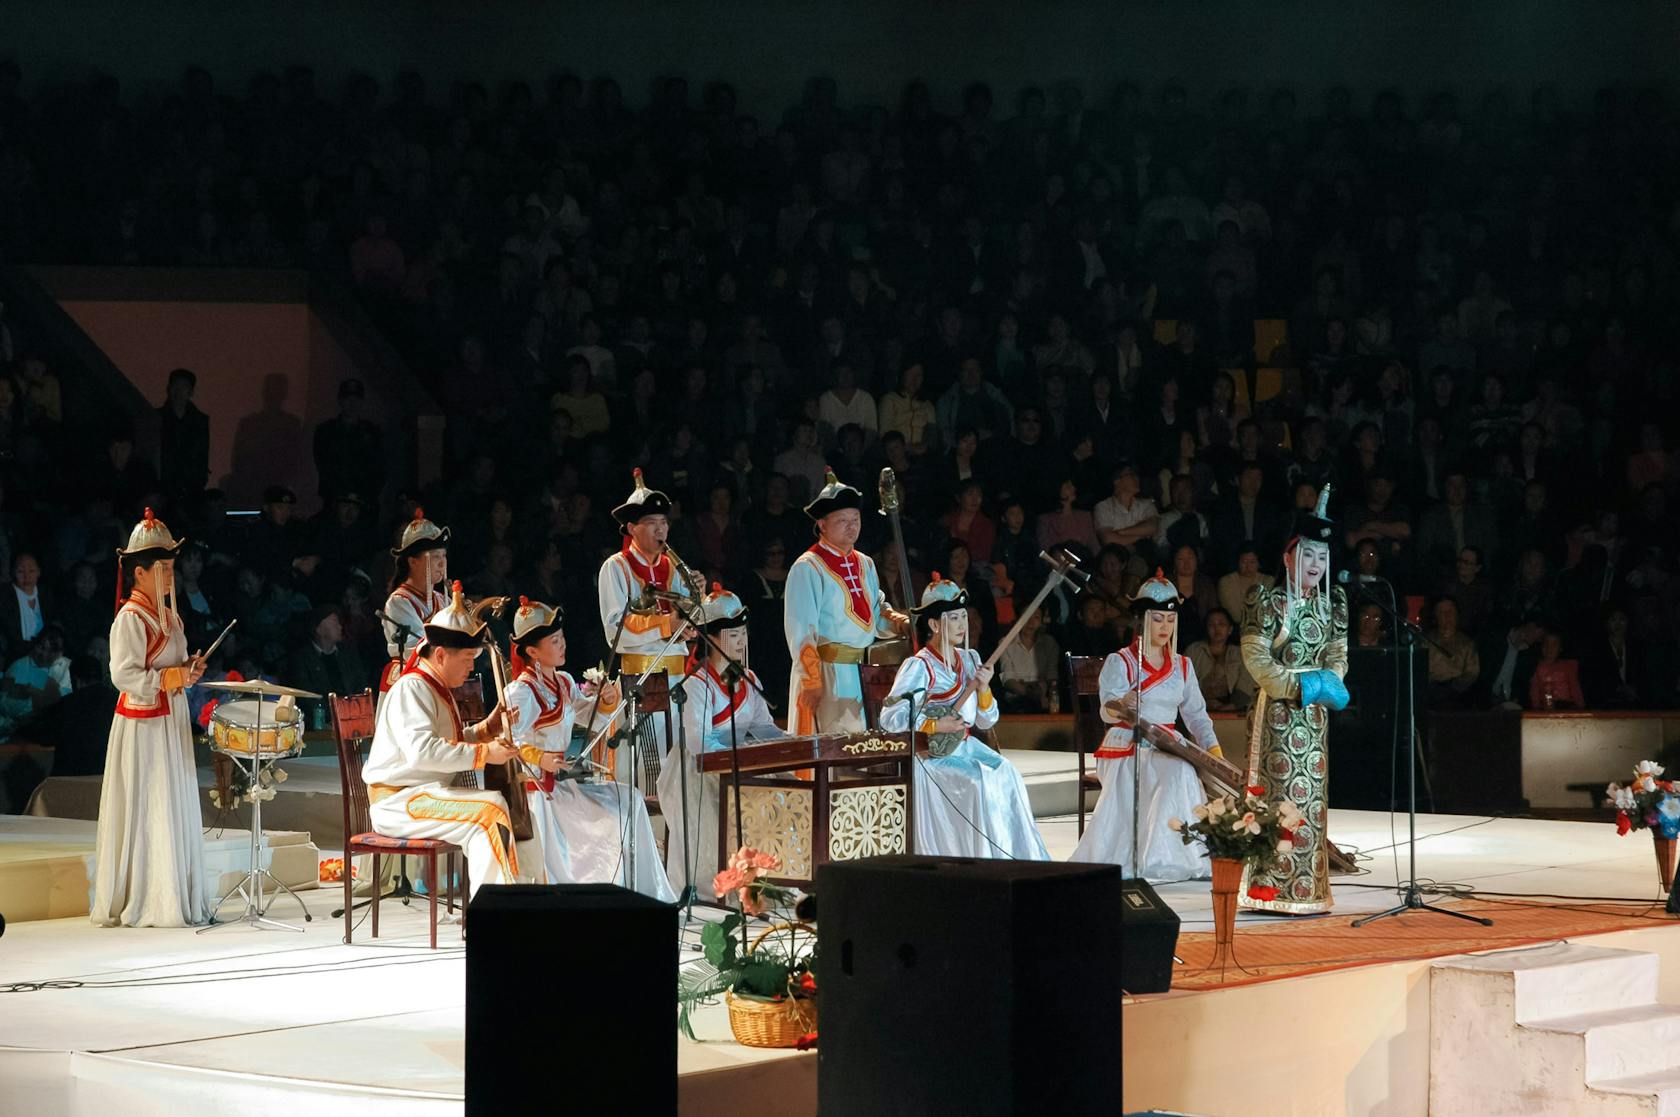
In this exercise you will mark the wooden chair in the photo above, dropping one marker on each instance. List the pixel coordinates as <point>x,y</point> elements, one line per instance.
<point>353,720</point>
<point>1088,727</point>
<point>877,684</point>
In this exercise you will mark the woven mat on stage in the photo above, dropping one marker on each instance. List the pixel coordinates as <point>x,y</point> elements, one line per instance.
<point>1317,944</point>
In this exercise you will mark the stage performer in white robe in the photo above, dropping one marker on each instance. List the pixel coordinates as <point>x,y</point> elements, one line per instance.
<point>419,744</point>
<point>1152,674</point>
<point>971,802</point>
<point>422,566</point>
<point>149,852</point>
<point>582,825</point>
<point>710,702</point>
<point>645,630</point>
<point>832,612</point>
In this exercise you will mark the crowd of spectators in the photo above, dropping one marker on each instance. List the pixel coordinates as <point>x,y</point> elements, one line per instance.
<point>1149,325</point>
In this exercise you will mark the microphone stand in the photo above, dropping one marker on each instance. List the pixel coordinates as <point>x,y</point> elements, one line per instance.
<point>1411,896</point>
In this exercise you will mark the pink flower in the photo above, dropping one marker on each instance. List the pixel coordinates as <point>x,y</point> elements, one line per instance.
<point>750,903</point>
<point>728,881</point>
<point>767,861</point>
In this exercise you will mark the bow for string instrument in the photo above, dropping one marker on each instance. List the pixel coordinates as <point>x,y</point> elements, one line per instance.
<point>887,489</point>
<point>508,777</point>
<point>944,744</point>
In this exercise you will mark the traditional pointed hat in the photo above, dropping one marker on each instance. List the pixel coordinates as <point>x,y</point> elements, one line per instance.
<point>1158,594</point>
<point>420,535</point>
<point>642,501</point>
<point>941,597</point>
<point>534,621</point>
<point>151,539</point>
<point>454,626</point>
<point>722,609</point>
<point>833,496</point>
<point>1316,526</point>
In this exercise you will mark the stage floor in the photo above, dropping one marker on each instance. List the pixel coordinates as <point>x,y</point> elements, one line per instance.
<point>259,1023</point>
<point>1356,1001</point>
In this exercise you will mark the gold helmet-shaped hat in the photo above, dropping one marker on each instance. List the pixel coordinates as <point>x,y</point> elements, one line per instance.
<point>420,535</point>
<point>455,625</point>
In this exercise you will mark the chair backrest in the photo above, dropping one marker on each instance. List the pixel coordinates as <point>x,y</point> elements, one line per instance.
<point>1083,674</point>
<point>352,718</point>
<point>877,684</point>
<point>469,699</point>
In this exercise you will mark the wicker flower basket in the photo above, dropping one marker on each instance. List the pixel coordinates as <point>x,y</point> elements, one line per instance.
<point>762,1023</point>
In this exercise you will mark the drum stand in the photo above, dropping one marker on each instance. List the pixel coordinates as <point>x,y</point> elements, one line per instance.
<point>251,885</point>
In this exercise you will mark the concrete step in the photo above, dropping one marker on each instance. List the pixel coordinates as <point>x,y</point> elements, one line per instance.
<point>1567,979</point>
<point>1621,1043</point>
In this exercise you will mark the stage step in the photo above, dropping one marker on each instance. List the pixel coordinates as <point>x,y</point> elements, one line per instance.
<point>1560,1029</point>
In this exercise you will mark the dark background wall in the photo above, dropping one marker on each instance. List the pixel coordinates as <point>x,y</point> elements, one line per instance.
<point>769,47</point>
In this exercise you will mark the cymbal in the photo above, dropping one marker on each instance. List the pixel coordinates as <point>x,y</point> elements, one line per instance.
<point>258,686</point>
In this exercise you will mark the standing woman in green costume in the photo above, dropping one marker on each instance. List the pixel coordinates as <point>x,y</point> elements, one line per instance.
<point>1294,643</point>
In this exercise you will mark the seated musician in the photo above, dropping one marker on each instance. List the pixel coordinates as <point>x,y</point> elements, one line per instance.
<point>1152,674</point>
<point>419,744</point>
<point>970,802</point>
<point>712,709</point>
<point>582,824</point>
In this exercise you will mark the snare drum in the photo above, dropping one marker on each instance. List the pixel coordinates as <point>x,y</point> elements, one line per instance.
<point>232,725</point>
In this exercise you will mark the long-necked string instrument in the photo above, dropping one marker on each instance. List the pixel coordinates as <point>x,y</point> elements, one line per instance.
<point>943,744</point>
<point>508,777</point>
<point>888,492</point>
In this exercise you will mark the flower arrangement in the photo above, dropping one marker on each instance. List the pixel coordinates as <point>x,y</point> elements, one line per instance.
<point>1249,831</point>
<point>775,969</point>
<point>1646,802</point>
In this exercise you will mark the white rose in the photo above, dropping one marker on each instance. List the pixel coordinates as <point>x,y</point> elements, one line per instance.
<point>1175,824</point>
<point>1286,846</point>
<point>1200,811</point>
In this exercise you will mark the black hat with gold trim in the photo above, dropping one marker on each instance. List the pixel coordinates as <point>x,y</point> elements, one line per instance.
<point>834,496</point>
<point>642,501</point>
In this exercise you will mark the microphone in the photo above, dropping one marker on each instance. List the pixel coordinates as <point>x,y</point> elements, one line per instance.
<point>402,629</point>
<point>1346,576</point>
<point>909,694</point>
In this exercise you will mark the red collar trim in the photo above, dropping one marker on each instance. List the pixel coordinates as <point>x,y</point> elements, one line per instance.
<point>848,571</point>
<point>1151,675</point>
<point>961,672</point>
<point>551,697</point>
<point>443,693</point>
<point>658,574</point>
<point>424,606</point>
<point>732,699</point>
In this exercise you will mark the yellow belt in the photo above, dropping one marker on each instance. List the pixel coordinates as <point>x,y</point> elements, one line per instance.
<point>378,791</point>
<point>632,664</point>
<point>841,653</point>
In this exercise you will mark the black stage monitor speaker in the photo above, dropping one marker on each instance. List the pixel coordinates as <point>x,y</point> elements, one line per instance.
<point>1148,938</point>
<point>540,1011</point>
<point>968,987</point>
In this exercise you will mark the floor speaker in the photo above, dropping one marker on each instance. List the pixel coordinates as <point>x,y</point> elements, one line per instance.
<point>541,1015</point>
<point>1148,938</point>
<point>968,987</point>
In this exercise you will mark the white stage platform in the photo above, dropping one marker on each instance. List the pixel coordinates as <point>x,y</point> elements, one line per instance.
<point>276,1024</point>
